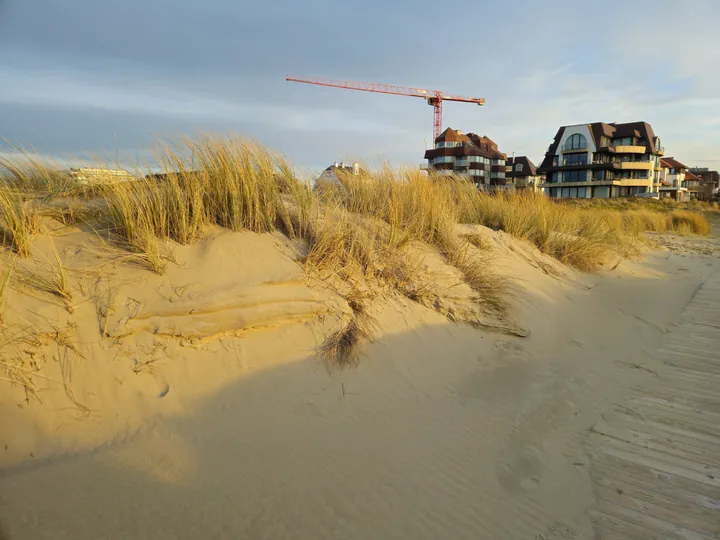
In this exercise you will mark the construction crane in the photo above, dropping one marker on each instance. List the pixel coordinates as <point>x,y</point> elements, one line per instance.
<point>434,98</point>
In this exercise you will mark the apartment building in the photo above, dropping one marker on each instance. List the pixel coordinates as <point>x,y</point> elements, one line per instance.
<point>709,183</point>
<point>521,173</point>
<point>471,155</point>
<point>602,160</point>
<point>672,178</point>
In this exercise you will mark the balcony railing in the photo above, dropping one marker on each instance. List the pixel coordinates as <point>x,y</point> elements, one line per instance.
<point>635,165</point>
<point>569,148</point>
<point>630,149</point>
<point>569,163</point>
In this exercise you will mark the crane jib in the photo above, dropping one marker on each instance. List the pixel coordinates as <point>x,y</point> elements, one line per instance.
<point>433,97</point>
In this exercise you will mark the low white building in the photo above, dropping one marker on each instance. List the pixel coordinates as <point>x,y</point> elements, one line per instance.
<point>97,175</point>
<point>329,175</point>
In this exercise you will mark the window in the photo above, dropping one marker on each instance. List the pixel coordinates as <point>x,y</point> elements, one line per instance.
<point>518,167</point>
<point>576,142</point>
<point>574,176</point>
<point>444,159</point>
<point>575,159</point>
<point>446,144</point>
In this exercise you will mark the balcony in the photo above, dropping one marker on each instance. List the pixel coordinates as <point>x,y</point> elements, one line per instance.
<point>462,163</point>
<point>630,149</point>
<point>635,165</point>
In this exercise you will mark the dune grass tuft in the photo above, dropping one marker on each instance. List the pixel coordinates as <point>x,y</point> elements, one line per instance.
<point>32,174</point>
<point>583,236</point>
<point>415,208</point>
<point>19,220</point>
<point>342,348</point>
<point>222,181</point>
<point>685,222</point>
<point>4,285</point>
<point>50,278</point>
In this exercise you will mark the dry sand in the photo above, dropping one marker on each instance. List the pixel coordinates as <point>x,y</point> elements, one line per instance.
<point>194,406</point>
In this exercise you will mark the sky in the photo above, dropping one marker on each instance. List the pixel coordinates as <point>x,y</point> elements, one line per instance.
<point>86,78</point>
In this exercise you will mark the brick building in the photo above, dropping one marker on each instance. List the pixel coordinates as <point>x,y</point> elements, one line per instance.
<point>471,155</point>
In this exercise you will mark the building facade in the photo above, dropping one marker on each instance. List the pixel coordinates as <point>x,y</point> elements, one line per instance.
<point>521,173</point>
<point>602,160</point>
<point>709,183</point>
<point>671,180</point>
<point>474,156</point>
<point>692,184</point>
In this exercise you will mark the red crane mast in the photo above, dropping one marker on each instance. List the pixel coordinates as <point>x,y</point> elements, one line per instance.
<point>434,98</point>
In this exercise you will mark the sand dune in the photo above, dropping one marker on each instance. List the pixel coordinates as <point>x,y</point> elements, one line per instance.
<point>194,404</point>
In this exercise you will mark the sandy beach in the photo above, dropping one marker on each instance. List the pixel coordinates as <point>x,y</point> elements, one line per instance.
<point>441,430</point>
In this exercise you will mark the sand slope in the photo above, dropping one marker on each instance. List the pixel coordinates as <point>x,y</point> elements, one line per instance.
<point>443,431</point>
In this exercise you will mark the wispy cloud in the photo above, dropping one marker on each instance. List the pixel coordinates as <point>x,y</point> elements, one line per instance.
<point>78,90</point>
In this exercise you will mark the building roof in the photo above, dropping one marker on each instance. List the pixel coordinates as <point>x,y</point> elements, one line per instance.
<point>452,135</point>
<point>529,168</point>
<point>472,144</point>
<point>641,130</point>
<point>689,175</point>
<point>671,163</point>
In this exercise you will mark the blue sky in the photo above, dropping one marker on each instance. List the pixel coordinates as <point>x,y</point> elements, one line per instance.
<point>84,77</point>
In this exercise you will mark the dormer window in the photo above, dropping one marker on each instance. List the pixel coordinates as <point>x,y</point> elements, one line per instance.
<point>518,167</point>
